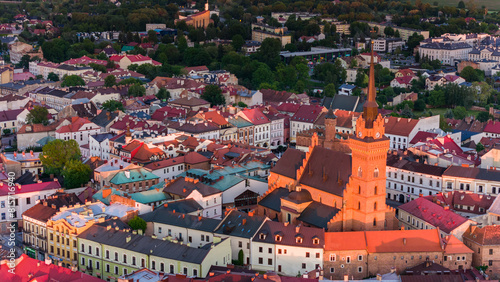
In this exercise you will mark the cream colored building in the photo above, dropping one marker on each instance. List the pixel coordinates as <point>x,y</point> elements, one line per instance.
<point>475,180</point>
<point>44,68</point>
<point>446,53</point>
<point>491,159</point>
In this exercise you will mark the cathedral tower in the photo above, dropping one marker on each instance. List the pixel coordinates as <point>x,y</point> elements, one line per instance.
<point>364,200</point>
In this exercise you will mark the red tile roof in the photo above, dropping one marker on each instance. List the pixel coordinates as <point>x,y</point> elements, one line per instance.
<point>406,72</point>
<point>288,107</point>
<point>399,126</point>
<point>75,126</point>
<point>455,246</point>
<point>132,58</point>
<point>197,68</point>
<point>434,214</point>
<point>254,116</point>
<point>455,199</point>
<point>85,61</point>
<point>492,127</point>
<point>27,269</point>
<point>345,241</point>
<point>403,241</point>
<point>485,236</point>
<point>28,188</point>
<point>308,113</point>
<point>404,79</point>
<point>422,136</point>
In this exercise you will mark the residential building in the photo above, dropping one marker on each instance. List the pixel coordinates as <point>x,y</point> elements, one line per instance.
<point>240,228</point>
<point>261,126</point>
<point>169,169</point>
<point>245,129</point>
<point>126,60</point>
<point>424,214</point>
<point>29,134</point>
<point>189,229</point>
<point>387,45</point>
<point>473,179</point>
<point>12,209</point>
<point>64,227</point>
<point>407,180</point>
<point>35,223</point>
<point>190,104</point>
<point>19,164</point>
<point>6,74</point>
<point>99,145</point>
<point>304,119</point>
<point>287,249</point>
<point>79,130</point>
<point>61,70</point>
<point>492,129</point>
<point>484,241</point>
<point>209,198</point>
<point>404,32</point>
<point>403,82</point>
<point>346,89</point>
<point>260,34</point>
<point>133,180</point>
<point>401,131</point>
<point>113,252</point>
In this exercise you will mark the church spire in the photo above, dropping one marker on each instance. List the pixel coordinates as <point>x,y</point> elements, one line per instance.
<point>370,108</point>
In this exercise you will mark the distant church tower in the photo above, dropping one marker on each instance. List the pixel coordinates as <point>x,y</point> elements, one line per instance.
<point>206,6</point>
<point>364,198</point>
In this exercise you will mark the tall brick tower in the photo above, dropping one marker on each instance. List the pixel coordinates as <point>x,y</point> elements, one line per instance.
<point>364,198</point>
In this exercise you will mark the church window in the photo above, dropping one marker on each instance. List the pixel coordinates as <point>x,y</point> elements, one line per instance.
<point>360,172</point>
<point>375,173</point>
<point>374,222</point>
<point>359,205</point>
<point>375,206</point>
<point>375,190</point>
<point>359,189</point>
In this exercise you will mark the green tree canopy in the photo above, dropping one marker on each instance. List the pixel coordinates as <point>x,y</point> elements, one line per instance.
<point>72,80</point>
<point>110,80</point>
<point>483,116</point>
<point>38,115</point>
<point>471,75</point>
<point>213,94</point>
<point>330,90</point>
<point>138,223</point>
<point>57,153</point>
<point>75,174</point>
<point>113,105</point>
<point>136,90</point>
<point>163,94</point>
<point>237,42</point>
<point>52,77</point>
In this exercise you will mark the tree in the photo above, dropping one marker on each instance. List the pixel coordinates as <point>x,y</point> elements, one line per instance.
<point>461,5</point>
<point>437,98</point>
<point>414,40</point>
<point>419,105</point>
<point>75,174</point>
<point>38,115</point>
<point>361,79</point>
<point>138,223</point>
<point>269,52</point>
<point>152,36</point>
<point>407,112</point>
<point>483,116</point>
<point>110,80</point>
<point>459,112</point>
<point>57,153</point>
<point>242,105</point>
<point>72,80</point>
<point>470,74</point>
<point>479,147</point>
<point>213,94</point>
<point>112,105</point>
<point>262,75</point>
<point>7,131</point>
<point>163,94</point>
<point>241,256</point>
<point>237,42</point>
<point>98,68</point>
<point>330,90</point>
<point>136,90</point>
<point>353,63</point>
<point>52,77</point>
<point>389,31</point>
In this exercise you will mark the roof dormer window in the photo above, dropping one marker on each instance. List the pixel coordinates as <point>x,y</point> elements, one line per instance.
<point>315,241</point>
<point>298,240</point>
<point>262,236</point>
<point>278,238</point>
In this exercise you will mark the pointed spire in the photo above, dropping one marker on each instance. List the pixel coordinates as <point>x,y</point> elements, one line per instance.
<point>370,108</point>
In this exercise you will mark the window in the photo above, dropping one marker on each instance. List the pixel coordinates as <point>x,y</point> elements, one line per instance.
<point>171,269</point>
<point>83,246</point>
<point>317,255</point>
<point>124,258</point>
<point>162,267</point>
<point>96,250</point>
<point>360,269</point>
<point>107,254</point>
<point>490,263</point>
<point>153,264</point>
<point>202,237</point>
<point>107,267</point>
<point>261,260</point>
<point>298,240</point>
<point>375,174</point>
<point>348,259</point>
<point>133,260</point>
<point>270,250</point>
<point>270,261</point>
<point>159,230</point>
<point>260,249</point>
<point>303,266</point>
<point>116,256</point>
<point>308,254</point>
<point>195,272</point>
<point>83,261</point>
<point>374,222</point>
<point>332,257</point>
<point>332,270</point>
<point>491,251</point>
<point>28,201</point>
<point>90,250</point>
<point>185,271</point>
<point>97,265</point>
<point>360,257</point>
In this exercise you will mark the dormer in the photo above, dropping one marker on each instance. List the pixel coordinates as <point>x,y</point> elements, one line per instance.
<point>298,239</point>
<point>278,238</point>
<point>315,240</point>
<point>262,236</point>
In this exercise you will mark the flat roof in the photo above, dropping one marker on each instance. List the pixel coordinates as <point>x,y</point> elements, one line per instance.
<point>287,54</point>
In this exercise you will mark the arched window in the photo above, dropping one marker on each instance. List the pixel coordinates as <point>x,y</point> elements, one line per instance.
<point>359,205</point>
<point>375,206</point>
<point>375,173</point>
<point>375,191</point>
<point>360,172</point>
<point>359,189</point>
<point>374,222</point>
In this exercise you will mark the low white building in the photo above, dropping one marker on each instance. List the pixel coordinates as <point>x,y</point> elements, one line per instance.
<point>99,145</point>
<point>287,249</point>
<point>472,179</point>
<point>407,180</point>
<point>447,53</point>
<point>401,131</point>
<point>79,130</point>
<point>304,119</point>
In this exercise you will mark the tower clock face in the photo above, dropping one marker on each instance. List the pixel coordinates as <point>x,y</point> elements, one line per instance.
<point>377,135</point>
<point>360,134</point>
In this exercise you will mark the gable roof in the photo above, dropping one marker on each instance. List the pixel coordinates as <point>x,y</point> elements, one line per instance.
<point>486,236</point>
<point>181,220</point>
<point>288,164</point>
<point>399,126</point>
<point>240,224</point>
<point>288,234</point>
<point>308,113</point>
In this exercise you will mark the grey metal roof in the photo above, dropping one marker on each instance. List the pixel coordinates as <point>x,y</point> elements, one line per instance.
<point>473,172</point>
<point>240,224</point>
<point>446,46</point>
<point>273,199</point>
<point>145,244</point>
<point>181,220</point>
<point>318,215</point>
